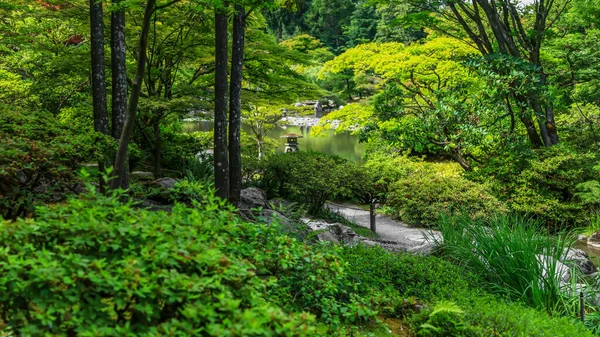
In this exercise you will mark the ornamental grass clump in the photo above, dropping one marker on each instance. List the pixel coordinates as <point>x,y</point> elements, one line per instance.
<point>514,256</point>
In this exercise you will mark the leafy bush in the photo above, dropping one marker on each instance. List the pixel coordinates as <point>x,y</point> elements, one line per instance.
<point>421,199</point>
<point>178,147</point>
<point>552,184</point>
<point>96,266</point>
<point>39,158</point>
<point>307,177</point>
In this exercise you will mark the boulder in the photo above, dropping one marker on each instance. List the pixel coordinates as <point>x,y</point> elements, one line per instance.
<point>563,272</point>
<point>166,182</point>
<point>333,232</point>
<point>344,234</point>
<point>287,226</point>
<point>270,216</point>
<point>578,258</point>
<point>327,236</point>
<point>278,203</point>
<point>253,197</point>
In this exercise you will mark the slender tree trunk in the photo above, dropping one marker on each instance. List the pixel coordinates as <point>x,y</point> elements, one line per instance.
<point>98,76</point>
<point>532,133</point>
<point>460,159</point>
<point>119,78</point>
<point>157,149</point>
<point>260,148</point>
<point>551,125</point>
<point>221,160</point>
<point>121,157</point>
<point>235,105</point>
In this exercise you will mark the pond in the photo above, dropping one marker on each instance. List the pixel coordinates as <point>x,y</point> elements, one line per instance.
<point>593,253</point>
<point>344,144</point>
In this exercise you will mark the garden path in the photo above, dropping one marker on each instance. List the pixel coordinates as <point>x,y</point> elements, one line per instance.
<point>390,231</point>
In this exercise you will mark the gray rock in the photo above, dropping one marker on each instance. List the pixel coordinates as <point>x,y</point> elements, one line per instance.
<point>280,204</point>
<point>579,258</point>
<point>166,182</point>
<point>253,197</point>
<point>270,216</point>
<point>327,236</point>
<point>344,234</point>
<point>562,272</point>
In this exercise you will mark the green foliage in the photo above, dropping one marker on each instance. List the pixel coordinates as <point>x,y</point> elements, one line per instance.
<point>191,193</point>
<point>545,183</point>
<point>446,319</point>
<point>514,256</point>
<point>403,276</point>
<point>421,199</point>
<point>117,270</point>
<point>307,177</point>
<point>588,193</point>
<point>39,159</point>
<point>592,322</point>
<point>179,148</point>
<point>407,280</point>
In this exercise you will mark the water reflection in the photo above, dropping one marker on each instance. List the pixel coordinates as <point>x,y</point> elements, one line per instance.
<point>344,145</point>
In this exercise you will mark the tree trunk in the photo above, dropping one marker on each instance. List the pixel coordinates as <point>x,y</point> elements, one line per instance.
<point>235,106</point>
<point>157,149</point>
<point>532,133</point>
<point>98,76</point>
<point>221,160</point>
<point>119,78</point>
<point>259,141</point>
<point>121,158</point>
<point>551,125</point>
<point>460,159</point>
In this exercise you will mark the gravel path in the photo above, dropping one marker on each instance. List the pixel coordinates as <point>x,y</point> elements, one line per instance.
<point>397,234</point>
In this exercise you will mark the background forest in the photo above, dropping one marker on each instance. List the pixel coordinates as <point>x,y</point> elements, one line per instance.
<point>475,116</point>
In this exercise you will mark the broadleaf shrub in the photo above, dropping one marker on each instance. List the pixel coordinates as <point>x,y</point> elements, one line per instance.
<point>97,266</point>
<point>308,177</point>
<point>421,199</point>
<point>40,158</point>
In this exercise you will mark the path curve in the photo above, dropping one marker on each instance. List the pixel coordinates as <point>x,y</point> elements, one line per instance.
<point>390,231</point>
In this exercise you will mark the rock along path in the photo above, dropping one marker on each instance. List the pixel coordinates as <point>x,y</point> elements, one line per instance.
<point>394,235</point>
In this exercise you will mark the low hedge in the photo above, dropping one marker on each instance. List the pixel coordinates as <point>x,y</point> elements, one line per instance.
<point>421,199</point>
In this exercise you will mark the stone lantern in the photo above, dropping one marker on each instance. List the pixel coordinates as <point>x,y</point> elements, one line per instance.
<point>291,143</point>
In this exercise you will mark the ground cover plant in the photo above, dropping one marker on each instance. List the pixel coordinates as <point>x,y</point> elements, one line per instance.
<point>97,265</point>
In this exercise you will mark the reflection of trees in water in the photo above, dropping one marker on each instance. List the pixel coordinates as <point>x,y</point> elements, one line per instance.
<point>344,144</point>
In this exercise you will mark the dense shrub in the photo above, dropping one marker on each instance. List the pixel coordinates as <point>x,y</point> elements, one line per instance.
<point>421,199</point>
<point>96,266</point>
<point>544,183</point>
<point>39,159</point>
<point>390,167</point>
<point>177,147</point>
<point>308,177</point>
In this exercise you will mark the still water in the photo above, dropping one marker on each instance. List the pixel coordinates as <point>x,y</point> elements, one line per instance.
<point>344,144</point>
